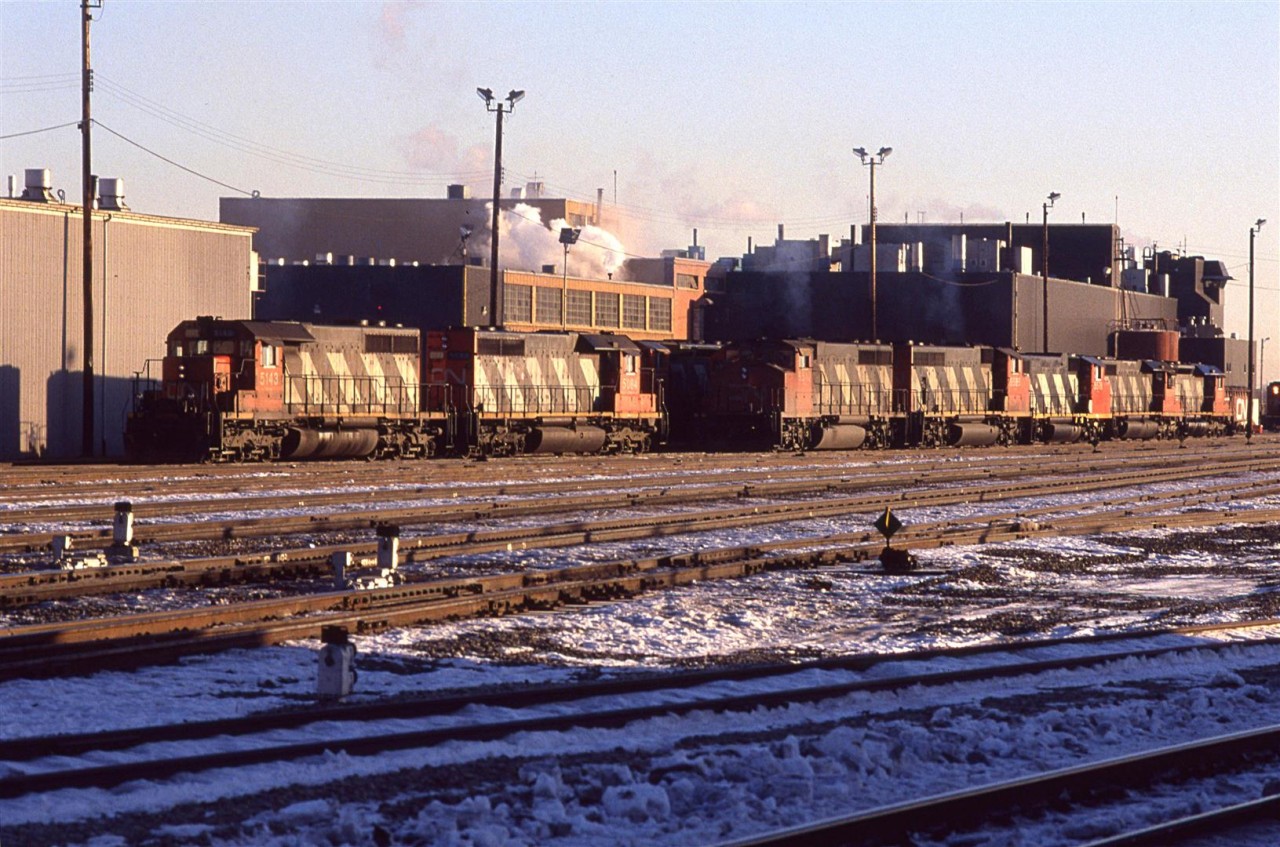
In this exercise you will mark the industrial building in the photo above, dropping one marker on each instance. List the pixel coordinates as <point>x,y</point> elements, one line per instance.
<point>425,263</point>
<point>437,231</point>
<point>659,301</point>
<point>966,284</point>
<point>149,273</point>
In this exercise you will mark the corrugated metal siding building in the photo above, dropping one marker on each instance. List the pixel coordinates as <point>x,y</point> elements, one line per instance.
<point>150,273</point>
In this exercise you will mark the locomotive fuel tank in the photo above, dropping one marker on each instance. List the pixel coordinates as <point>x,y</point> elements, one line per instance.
<point>1137,429</point>
<point>972,434</point>
<point>328,443</point>
<point>563,439</point>
<point>840,436</point>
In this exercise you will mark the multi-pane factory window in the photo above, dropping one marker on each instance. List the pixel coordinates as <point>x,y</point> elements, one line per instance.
<point>548,305</point>
<point>686,281</point>
<point>606,309</point>
<point>517,303</point>
<point>633,311</point>
<point>659,314</point>
<point>579,308</point>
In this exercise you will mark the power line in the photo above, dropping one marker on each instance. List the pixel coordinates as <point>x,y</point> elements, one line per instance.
<point>172,162</point>
<point>37,131</point>
<point>246,145</point>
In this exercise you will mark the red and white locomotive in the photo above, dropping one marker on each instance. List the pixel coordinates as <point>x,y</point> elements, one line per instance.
<point>801,394</point>
<point>242,390</point>
<point>505,393</point>
<point>256,390</point>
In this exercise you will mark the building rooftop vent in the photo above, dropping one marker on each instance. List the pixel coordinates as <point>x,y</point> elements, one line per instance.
<point>38,186</point>
<point>459,192</point>
<point>111,194</point>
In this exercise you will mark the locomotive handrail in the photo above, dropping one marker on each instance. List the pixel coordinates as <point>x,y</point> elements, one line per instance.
<point>931,400</point>
<point>541,399</point>
<point>844,398</point>
<point>323,394</point>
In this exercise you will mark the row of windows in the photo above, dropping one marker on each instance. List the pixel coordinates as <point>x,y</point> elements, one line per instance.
<point>527,303</point>
<point>382,343</point>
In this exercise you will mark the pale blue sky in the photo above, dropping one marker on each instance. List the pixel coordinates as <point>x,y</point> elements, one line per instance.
<point>731,117</point>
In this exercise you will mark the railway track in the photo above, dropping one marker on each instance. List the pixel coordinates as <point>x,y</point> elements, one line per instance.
<point>352,483</point>
<point>680,693</point>
<point>311,561</point>
<point>45,477</point>
<point>952,513</point>
<point>1070,793</point>
<point>131,640</point>
<point>124,761</point>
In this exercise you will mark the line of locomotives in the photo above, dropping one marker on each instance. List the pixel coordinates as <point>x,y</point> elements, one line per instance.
<point>243,390</point>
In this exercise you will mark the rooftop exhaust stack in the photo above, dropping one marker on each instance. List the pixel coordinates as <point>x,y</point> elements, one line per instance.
<point>111,194</point>
<point>38,186</point>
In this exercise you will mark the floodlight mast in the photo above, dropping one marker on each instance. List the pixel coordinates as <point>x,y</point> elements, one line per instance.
<point>568,237</point>
<point>1044,267</point>
<point>1248,433</point>
<point>873,159</point>
<point>495,280</point>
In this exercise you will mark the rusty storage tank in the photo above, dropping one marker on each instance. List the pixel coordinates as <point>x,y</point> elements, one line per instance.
<point>1158,344</point>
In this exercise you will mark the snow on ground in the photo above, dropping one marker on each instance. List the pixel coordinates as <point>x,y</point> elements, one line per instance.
<point>649,783</point>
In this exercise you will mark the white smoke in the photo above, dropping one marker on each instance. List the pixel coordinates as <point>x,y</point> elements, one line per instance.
<point>527,244</point>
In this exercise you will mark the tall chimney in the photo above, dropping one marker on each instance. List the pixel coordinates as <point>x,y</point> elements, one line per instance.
<point>780,235</point>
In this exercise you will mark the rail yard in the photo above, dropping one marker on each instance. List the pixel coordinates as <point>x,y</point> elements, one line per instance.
<point>659,648</point>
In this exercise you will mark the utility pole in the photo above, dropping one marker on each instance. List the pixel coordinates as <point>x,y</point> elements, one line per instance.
<point>1044,267</point>
<point>88,190</point>
<point>495,283</point>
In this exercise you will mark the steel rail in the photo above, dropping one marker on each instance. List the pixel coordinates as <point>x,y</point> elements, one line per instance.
<point>26,749</point>
<point>1210,823</point>
<point>885,820</point>
<point>32,587</point>
<point>660,492</point>
<point>122,478</point>
<point>957,810</point>
<point>46,649</point>
<point>200,489</point>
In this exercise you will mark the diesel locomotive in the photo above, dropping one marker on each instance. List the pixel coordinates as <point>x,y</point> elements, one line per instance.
<point>1271,407</point>
<point>802,394</point>
<point>242,390</point>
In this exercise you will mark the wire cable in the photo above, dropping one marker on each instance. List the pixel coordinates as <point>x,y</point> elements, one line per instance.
<point>37,131</point>
<point>246,145</point>
<point>172,162</point>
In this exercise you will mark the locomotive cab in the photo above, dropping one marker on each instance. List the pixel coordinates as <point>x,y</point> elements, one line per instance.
<point>1095,388</point>
<point>621,391</point>
<point>1010,386</point>
<point>1214,399</point>
<point>1271,407</point>
<point>1164,387</point>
